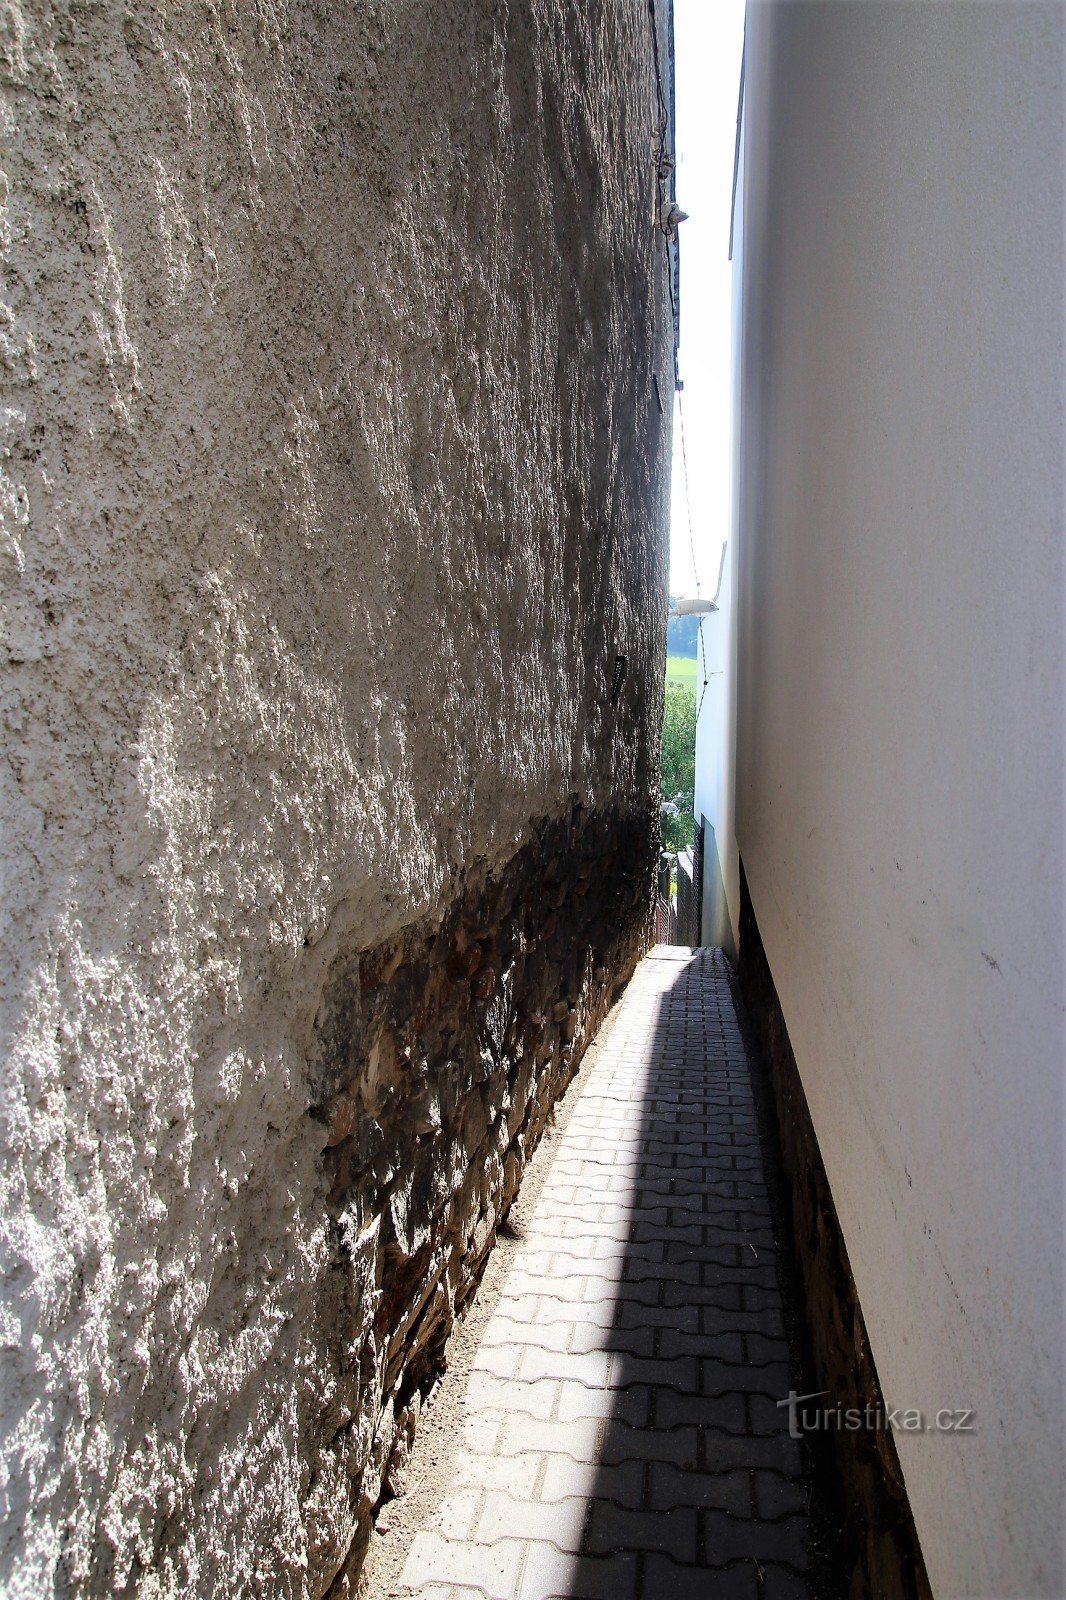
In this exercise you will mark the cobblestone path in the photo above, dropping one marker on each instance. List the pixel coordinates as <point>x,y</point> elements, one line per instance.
<point>621,1433</point>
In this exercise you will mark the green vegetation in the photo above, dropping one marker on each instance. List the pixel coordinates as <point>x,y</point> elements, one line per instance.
<point>682,636</point>
<point>679,760</point>
<point>681,669</point>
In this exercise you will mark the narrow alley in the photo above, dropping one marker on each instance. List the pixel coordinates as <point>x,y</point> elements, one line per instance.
<point>620,1433</point>
<point>477,479</point>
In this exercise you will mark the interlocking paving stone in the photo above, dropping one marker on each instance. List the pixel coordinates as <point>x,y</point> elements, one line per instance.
<point>503,1517</point>
<point>781,1583</point>
<point>662,1578</point>
<point>548,1572</point>
<point>623,1483</point>
<point>495,1569</point>
<point>621,1437</point>
<point>718,1491</point>
<point>727,1539</point>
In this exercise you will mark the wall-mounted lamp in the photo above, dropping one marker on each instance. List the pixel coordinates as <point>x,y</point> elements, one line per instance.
<point>698,605</point>
<point>670,216</point>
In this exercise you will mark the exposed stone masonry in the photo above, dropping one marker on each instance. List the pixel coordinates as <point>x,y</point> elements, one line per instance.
<point>619,1437</point>
<point>440,1054</point>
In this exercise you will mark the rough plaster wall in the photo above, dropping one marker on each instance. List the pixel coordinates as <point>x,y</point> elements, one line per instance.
<point>332,489</point>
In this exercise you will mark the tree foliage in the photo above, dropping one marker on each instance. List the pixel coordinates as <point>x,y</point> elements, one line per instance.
<point>679,763</point>
<point>682,636</point>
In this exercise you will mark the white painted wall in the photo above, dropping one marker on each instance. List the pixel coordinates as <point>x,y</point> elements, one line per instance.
<point>899,750</point>
<point>716,724</point>
<point>715,747</point>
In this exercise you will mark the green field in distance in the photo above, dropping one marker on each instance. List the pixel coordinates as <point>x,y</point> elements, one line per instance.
<point>681,669</point>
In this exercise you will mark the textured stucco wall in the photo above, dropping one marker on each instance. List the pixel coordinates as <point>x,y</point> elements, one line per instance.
<point>899,802</point>
<point>333,479</point>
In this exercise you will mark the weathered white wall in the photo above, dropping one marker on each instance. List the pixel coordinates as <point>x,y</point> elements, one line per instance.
<point>715,790</point>
<point>900,716</point>
<point>716,726</point>
<point>332,489</point>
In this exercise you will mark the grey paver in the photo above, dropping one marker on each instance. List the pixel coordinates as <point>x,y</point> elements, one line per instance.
<point>727,1539</point>
<point>624,1443</point>
<point>665,1580</point>
<point>726,1411</point>
<point>673,1532</point>
<point>781,1583</point>
<point>717,1491</point>
<point>561,1477</point>
<point>721,1452</point>
<point>503,1516</point>
<point>495,1569</point>
<point>549,1574</point>
<point>621,1438</point>
<point>778,1496</point>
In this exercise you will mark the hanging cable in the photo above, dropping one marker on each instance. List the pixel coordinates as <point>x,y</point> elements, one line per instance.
<point>692,551</point>
<point>688,497</point>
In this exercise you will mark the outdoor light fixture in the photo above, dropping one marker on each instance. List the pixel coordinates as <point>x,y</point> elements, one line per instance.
<point>670,215</point>
<point>699,605</point>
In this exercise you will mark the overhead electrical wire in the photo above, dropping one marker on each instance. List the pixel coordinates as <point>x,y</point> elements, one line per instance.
<point>692,552</point>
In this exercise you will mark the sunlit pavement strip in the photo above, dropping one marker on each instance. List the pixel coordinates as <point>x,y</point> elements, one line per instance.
<point>622,1438</point>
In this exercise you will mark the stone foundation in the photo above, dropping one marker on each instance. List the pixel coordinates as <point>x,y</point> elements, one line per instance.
<point>883,1555</point>
<point>439,1056</point>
